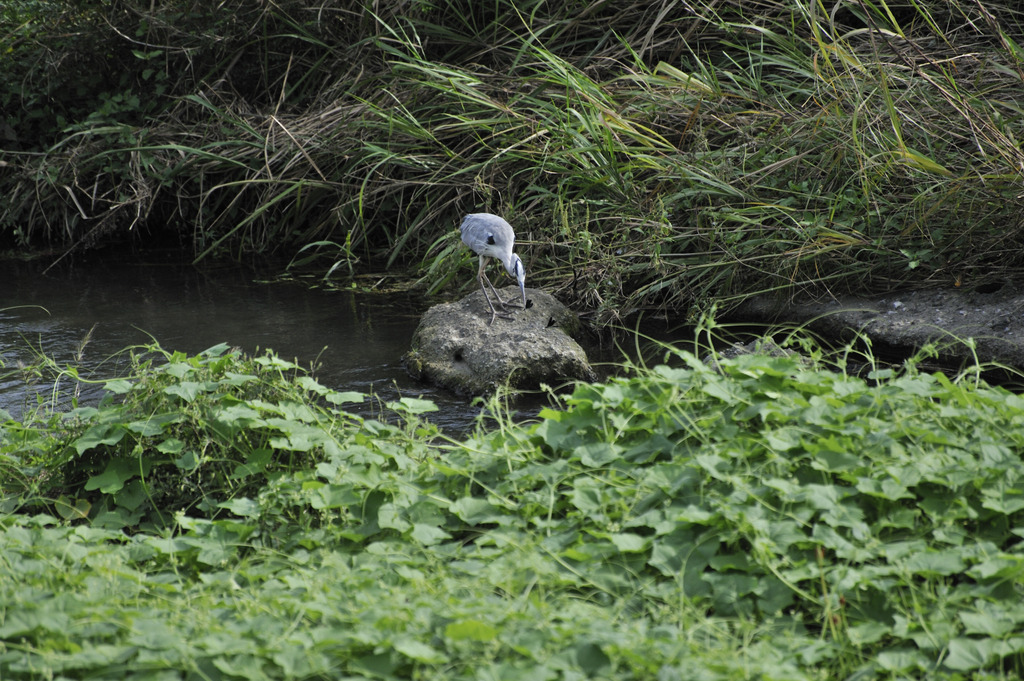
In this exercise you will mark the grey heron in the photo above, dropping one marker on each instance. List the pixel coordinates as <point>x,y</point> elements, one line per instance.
<point>489,236</point>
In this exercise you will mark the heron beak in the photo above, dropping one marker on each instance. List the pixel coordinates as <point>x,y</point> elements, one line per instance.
<point>519,272</point>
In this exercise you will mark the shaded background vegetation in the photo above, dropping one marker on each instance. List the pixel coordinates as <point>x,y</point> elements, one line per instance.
<point>651,155</point>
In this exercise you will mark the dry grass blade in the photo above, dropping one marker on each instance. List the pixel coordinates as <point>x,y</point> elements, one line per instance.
<point>655,158</point>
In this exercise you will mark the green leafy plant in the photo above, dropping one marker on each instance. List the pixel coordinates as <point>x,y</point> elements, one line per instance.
<point>756,517</point>
<point>188,433</point>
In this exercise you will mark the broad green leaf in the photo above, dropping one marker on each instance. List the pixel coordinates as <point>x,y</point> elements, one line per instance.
<point>237,414</point>
<point>598,454</point>
<point>866,633</point>
<point>1005,566</point>
<point>133,495</point>
<point>118,472</point>
<point>188,461</point>
<point>730,561</point>
<point>389,515</point>
<point>299,661</point>
<point>471,630</point>
<point>337,398</point>
<point>824,497</point>
<point>947,562</point>
<point>168,545</point>
<point>186,390</point>
<point>834,457</point>
<point>684,557</point>
<point>986,623</point>
<point>1003,500</point>
<point>216,350</point>
<point>376,665</point>
<point>254,464</point>
<point>295,411</point>
<point>783,439</point>
<point>627,542</point>
<point>332,496</point>
<point>118,386</point>
<point>154,425</point>
<point>774,595</point>
<point>732,592</point>
<point>99,656</point>
<point>996,454</point>
<point>151,631</point>
<point>171,445</point>
<point>720,388</point>
<point>476,511</point>
<point>428,535</point>
<point>248,667</point>
<point>298,437</point>
<point>100,434</point>
<point>311,384</point>
<point>236,379</point>
<point>421,652</point>
<point>275,362</point>
<point>965,654</point>
<point>885,488</point>
<point>217,541</point>
<point>242,506</point>
<point>20,623</point>
<point>587,496</point>
<point>902,659</point>
<point>72,509</point>
<point>591,659</point>
<point>413,405</point>
<point>558,434</point>
<point>649,448</point>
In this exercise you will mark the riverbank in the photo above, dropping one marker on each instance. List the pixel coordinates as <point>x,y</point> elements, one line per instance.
<point>960,329</point>
<point>226,515</point>
<point>662,159</point>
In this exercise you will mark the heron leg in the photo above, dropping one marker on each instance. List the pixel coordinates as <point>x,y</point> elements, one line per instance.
<point>482,277</point>
<point>494,311</point>
<point>504,305</point>
<point>501,303</point>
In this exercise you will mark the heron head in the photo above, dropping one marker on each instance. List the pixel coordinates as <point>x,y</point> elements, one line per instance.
<point>516,269</point>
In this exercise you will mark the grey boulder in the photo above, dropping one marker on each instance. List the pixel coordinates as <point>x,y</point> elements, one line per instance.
<point>454,346</point>
<point>993,316</point>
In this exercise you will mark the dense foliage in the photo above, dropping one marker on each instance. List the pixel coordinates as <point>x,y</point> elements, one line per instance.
<point>659,154</point>
<point>223,517</point>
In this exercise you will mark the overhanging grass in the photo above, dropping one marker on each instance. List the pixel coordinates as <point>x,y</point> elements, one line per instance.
<point>659,157</point>
<point>764,519</point>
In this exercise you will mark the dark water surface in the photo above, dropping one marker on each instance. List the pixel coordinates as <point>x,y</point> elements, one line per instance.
<point>356,339</point>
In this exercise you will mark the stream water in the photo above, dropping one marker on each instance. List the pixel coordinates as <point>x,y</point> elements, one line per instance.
<point>87,313</point>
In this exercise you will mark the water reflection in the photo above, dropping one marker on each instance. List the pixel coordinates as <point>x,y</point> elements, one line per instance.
<point>355,339</point>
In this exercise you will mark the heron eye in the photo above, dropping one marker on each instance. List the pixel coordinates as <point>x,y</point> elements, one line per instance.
<point>490,239</point>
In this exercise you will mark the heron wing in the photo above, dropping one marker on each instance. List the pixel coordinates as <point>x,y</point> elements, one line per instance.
<point>487,234</point>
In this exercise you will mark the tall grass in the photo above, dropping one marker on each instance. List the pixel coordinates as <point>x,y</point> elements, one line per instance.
<point>657,157</point>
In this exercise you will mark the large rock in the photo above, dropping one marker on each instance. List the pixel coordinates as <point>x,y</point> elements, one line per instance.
<point>455,347</point>
<point>993,316</point>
